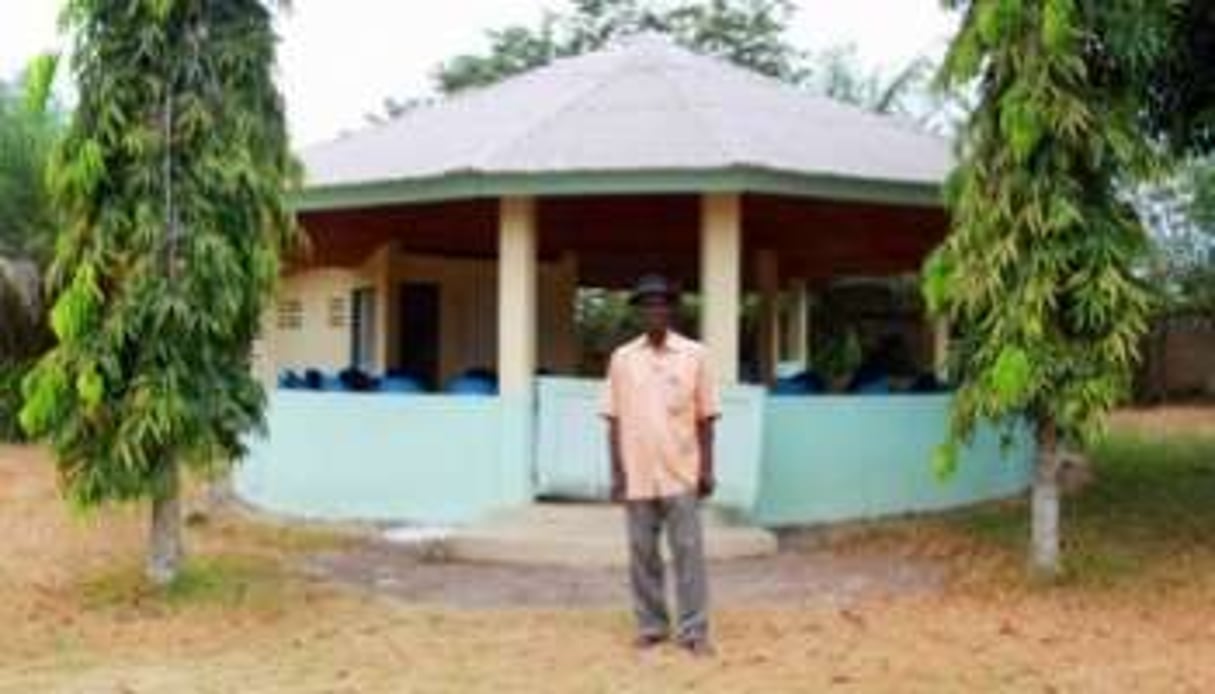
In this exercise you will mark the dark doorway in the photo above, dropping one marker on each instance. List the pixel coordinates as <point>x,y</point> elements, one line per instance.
<point>419,321</point>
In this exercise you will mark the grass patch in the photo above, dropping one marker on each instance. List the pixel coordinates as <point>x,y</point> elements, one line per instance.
<point>299,539</point>
<point>1151,507</point>
<point>219,581</point>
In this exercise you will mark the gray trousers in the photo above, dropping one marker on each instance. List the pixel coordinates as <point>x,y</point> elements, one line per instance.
<point>680,515</point>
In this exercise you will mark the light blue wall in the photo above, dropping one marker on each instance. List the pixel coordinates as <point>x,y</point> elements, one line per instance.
<point>834,458</point>
<point>450,459</point>
<point>371,456</point>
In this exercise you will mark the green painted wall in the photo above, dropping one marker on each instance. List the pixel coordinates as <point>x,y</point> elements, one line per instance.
<point>371,456</point>
<point>847,457</point>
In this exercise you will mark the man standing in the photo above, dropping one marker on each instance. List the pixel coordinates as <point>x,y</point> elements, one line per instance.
<point>660,401</point>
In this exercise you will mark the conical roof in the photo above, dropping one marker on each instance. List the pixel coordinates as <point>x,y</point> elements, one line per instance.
<point>642,115</point>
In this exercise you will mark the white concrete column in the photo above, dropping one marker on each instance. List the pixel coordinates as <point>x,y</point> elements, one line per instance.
<point>387,326</point>
<point>720,279</point>
<point>767,272</point>
<point>799,323</point>
<point>517,278</point>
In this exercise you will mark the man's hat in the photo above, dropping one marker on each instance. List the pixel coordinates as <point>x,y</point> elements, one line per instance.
<point>653,285</point>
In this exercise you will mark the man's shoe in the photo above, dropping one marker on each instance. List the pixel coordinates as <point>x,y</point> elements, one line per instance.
<point>700,648</point>
<point>645,642</point>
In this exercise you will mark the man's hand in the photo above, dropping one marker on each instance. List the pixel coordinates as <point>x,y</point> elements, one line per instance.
<point>707,482</point>
<point>617,493</point>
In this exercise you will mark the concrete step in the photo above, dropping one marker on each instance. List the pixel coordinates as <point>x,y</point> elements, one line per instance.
<point>587,535</point>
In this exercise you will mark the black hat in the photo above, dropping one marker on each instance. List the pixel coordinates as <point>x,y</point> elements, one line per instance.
<point>653,285</point>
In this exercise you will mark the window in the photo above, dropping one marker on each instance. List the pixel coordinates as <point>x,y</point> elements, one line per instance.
<point>337,312</point>
<point>363,328</point>
<point>290,314</point>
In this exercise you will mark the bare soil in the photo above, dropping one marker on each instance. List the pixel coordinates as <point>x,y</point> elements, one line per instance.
<point>822,577</point>
<point>912,606</point>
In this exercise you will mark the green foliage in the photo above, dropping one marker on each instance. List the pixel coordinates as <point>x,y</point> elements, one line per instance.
<point>27,131</point>
<point>1181,213</point>
<point>604,319</point>
<point>945,460</point>
<point>1039,274</point>
<point>1202,203</point>
<point>171,178</point>
<point>1059,25</point>
<point>1179,103</point>
<point>23,336</point>
<point>11,374</point>
<point>938,278</point>
<point>839,74</point>
<point>840,355</point>
<point>1011,376</point>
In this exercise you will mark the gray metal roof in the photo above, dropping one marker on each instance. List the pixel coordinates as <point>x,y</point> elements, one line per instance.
<point>643,105</point>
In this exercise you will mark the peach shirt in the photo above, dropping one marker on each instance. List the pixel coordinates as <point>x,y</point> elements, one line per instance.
<point>658,395</point>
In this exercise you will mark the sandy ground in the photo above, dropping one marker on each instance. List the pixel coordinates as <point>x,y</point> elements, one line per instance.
<point>915,607</point>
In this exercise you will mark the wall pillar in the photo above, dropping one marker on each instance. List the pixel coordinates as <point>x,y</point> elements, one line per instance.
<point>387,329</point>
<point>720,279</point>
<point>517,281</point>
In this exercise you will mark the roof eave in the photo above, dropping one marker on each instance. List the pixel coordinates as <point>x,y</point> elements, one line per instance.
<point>470,185</point>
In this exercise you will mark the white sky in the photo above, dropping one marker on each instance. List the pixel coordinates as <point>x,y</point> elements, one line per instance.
<point>340,58</point>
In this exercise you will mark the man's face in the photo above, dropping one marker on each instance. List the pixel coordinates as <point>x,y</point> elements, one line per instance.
<point>655,313</point>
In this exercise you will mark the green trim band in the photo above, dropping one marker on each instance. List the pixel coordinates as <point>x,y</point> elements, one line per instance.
<point>469,185</point>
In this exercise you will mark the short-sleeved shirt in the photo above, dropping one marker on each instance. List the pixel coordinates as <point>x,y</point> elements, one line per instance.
<point>658,395</point>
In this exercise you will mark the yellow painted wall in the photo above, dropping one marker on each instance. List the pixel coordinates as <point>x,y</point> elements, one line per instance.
<point>468,335</point>
<point>469,331</point>
<point>322,339</point>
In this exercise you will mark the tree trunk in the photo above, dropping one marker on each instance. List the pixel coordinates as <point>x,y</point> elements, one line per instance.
<point>1044,550</point>
<point>165,550</point>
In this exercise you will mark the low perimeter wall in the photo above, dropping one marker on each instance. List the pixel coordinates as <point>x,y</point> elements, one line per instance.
<point>850,457</point>
<point>444,459</point>
<point>365,456</point>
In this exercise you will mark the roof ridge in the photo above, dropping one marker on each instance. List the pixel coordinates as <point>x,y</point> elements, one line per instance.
<point>726,151</point>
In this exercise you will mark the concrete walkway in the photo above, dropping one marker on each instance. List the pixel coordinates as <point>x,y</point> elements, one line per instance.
<point>586,535</point>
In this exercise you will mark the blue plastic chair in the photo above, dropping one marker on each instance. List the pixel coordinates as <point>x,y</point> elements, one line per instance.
<point>927,383</point>
<point>290,380</point>
<point>875,386</point>
<point>400,384</point>
<point>475,381</point>
<point>313,380</point>
<point>472,384</point>
<point>804,383</point>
